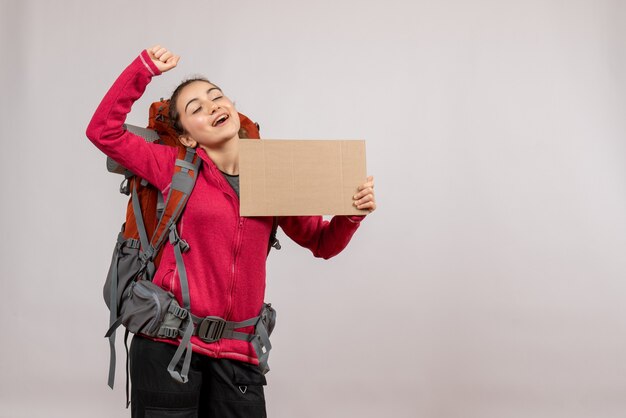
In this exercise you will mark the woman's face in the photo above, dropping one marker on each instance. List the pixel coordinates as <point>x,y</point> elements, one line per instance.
<point>206,115</point>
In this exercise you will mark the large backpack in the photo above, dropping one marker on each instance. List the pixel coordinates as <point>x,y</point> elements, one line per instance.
<point>133,300</point>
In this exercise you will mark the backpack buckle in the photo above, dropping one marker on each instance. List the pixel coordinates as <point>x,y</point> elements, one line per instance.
<point>275,243</point>
<point>184,247</point>
<point>146,256</point>
<point>211,329</point>
<point>125,186</point>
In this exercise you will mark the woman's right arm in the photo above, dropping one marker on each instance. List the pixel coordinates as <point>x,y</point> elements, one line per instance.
<point>149,161</point>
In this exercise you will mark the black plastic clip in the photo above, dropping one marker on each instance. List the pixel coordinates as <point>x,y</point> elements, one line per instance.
<point>276,243</point>
<point>125,186</point>
<point>211,329</point>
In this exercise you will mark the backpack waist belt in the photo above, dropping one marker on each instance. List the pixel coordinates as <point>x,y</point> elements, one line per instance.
<point>211,329</point>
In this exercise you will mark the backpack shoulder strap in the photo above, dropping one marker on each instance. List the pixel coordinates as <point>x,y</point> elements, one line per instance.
<point>185,175</point>
<point>183,181</point>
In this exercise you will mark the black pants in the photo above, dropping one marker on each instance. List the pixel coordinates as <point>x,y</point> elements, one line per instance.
<point>217,388</point>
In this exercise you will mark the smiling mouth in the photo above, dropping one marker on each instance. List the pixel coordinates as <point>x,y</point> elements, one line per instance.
<point>220,121</point>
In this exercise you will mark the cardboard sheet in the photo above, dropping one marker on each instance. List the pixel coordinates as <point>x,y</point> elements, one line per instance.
<point>300,177</point>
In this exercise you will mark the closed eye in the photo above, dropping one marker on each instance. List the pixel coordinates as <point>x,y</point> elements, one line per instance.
<point>197,110</point>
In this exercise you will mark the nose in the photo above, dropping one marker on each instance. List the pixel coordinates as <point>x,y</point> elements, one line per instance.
<point>213,107</point>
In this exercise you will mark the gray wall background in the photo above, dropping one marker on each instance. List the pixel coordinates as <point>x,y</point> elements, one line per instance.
<point>490,282</point>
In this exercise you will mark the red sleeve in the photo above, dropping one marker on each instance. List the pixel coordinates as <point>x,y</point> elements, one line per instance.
<point>324,238</point>
<point>153,162</point>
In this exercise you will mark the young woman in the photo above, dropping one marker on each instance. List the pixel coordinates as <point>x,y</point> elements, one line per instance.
<point>226,260</point>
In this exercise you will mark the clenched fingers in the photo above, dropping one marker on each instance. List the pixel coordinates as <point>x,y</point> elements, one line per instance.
<point>365,199</point>
<point>163,58</point>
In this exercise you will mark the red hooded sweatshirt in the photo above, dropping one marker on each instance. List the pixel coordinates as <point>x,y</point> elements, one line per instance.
<point>226,260</point>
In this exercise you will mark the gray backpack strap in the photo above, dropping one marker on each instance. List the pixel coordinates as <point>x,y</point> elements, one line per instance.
<point>160,205</point>
<point>262,346</point>
<point>181,246</point>
<point>113,310</point>
<point>126,332</point>
<point>181,187</point>
<point>182,184</point>
<point>147,250</point>
<point>213,328</point>
<point>141,227</point>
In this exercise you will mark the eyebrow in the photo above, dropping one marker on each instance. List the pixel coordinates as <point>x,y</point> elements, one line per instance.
<point>195,98</point>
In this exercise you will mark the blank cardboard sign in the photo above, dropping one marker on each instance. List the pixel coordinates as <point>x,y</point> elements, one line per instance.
<point>300,177</point>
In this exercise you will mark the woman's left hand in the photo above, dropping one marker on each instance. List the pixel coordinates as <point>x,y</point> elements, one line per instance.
<point>365,199</point>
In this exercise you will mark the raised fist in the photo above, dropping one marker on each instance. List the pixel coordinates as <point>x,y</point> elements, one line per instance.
<point>163,59</point>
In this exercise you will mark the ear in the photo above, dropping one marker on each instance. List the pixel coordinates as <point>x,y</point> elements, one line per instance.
<point>187,141</point>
